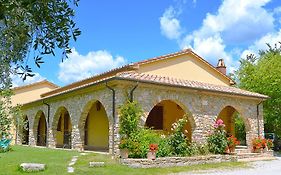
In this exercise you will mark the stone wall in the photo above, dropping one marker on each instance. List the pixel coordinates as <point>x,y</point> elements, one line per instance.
<point>177,161</point>
<point>202,109</point>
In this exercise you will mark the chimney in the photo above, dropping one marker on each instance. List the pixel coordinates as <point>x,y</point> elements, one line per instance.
<point>221,66</point>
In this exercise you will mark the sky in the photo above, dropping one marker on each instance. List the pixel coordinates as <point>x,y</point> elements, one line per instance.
<point>118,32</point>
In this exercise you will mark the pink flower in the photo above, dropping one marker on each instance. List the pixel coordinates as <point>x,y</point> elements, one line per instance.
<point>216,125</point>
<point>219,122</point>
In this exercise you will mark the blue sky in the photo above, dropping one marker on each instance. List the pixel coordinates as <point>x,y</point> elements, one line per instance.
<point>118,32</point>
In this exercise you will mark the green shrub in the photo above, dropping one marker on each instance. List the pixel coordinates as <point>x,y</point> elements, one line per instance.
<point>217,141</point>
<point>130,114</point>
<point>140,141</point>
<point>240,131</point>
<point>178,140</point>
<point>203,149</point>
<point>164,147</point>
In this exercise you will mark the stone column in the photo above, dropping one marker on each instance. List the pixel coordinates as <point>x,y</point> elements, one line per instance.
<point>76,142</point>
<point>31,139</point>
<point>203,128</point>
<point>110,139</point>
<point>51,139</point>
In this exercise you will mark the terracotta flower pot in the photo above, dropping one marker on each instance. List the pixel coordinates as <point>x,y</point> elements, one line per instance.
<point>232,149</point>
<point>257,150</point>
<point>151,155</point>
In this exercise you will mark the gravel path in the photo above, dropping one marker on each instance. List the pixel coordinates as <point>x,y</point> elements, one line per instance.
<point>272,167</point>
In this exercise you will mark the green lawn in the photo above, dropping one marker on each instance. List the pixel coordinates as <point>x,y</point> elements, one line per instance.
<point>57,161</point>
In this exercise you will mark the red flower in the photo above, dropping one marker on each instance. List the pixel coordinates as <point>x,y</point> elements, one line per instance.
<point>153,147</point>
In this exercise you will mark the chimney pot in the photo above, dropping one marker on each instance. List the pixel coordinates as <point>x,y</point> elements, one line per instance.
<point>221,66</point>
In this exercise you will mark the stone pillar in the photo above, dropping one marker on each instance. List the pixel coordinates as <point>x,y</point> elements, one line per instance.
<point>203,127</point>
<point>51,139</point>
<point>32,139</point>
<point>76,142</point>
<point>116,140</point>
<point>111,139</point>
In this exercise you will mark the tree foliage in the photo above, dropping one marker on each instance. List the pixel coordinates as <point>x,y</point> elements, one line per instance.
<point>40,26</point>
<point>31,29</point>
<point>262,74</point>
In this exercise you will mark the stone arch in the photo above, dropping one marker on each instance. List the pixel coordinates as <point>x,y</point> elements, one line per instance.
<point>25,130</point>
<point>227,114</point>
<point>62,127</point>
<point>40,129</point>
<point>172,111</point>
<point>94,126</point>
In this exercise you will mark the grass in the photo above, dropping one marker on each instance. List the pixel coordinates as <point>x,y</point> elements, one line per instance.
<point>57,161</point>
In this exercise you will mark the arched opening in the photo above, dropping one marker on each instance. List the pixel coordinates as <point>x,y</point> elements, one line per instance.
<point>95,127</point>
<point>62,128</point>
<point>25,131</point>
<point>41,130</point>
<point>164,114</point>
<point>234,123</point>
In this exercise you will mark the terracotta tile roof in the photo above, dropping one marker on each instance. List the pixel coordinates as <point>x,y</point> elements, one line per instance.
<point>188,84</point>
<point>156,79</point>
<point>36,83</point>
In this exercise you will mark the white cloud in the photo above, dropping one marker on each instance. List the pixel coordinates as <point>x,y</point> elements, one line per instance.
<point>238,21</point>
<point>169,24</point>
<point>17,80</point>
<point>261,44</point>
<point>235,22</point>
<point>78,66</point>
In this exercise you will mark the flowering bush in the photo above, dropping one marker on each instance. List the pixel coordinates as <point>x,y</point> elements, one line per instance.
<point>217,141</point>
<point>153,147</point>
<point>219,124</point>
<point>177,139</point>
<point>259,144</point>
<point>232,142</point>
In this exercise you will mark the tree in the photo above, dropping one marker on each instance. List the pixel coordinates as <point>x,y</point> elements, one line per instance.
<point>262,74</point>
<point>31,29</point>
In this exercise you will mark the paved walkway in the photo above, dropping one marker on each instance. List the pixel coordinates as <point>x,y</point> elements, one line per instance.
<point>272,167</point>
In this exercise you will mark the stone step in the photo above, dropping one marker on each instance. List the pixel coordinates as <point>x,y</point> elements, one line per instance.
<point>241,147</point>
<point>249,156</point>
<point>252,159</point>
<point>240,151</point>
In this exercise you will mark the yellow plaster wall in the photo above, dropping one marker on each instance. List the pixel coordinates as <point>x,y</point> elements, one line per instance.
<point>185,67</point>
<point>30,93</point>
<point>98,128</point>
<point>172,113</point>
<point>227,116</point>
<point>59,134</point>
<point>42,130</point>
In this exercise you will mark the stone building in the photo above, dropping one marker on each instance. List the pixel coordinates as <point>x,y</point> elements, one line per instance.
<point>84,114</point>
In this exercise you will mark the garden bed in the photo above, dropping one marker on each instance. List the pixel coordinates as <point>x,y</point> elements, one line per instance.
<point>177,161</point>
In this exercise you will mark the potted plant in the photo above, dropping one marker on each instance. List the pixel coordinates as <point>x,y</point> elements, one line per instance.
<point>258,144</point>
<point>123,146</point>
<point>232,142</point>
<point>151,155</point>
